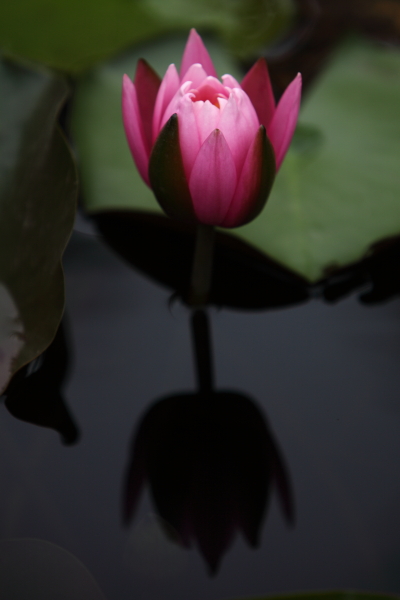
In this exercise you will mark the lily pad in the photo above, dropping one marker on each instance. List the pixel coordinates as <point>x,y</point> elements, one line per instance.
<point>73,35</point>
<point>38,190</point>
<point>338,191</point>
<point>244,25</point>
<point>333,200</point>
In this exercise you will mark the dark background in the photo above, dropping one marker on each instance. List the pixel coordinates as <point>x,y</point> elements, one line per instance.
<point>326,377</point>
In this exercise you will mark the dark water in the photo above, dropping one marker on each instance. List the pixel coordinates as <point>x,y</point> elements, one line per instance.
<point>327,378</point>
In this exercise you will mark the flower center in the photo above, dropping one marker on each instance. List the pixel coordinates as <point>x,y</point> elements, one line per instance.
<point>207,92</point>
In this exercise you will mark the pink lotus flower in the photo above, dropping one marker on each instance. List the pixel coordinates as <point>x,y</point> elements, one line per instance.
<point>209,150</point>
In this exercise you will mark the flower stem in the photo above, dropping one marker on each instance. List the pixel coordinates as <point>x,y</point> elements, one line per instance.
<point>202,350</point>
<point>202,265</point>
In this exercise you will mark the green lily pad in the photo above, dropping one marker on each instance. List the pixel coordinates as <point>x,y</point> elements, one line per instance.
<point>73,35</point>
<point>338,190</point>
<point>38,190</point>
<point>244,25</point>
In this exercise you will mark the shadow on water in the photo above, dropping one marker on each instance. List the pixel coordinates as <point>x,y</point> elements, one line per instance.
<point>35,392</point>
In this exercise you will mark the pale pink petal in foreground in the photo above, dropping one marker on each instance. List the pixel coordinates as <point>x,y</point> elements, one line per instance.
<point>257,86</point>
<point>247,188</point>
<point>196,74</point>
<point>133,128</point>
<point>196,52</point>
<point>169,86</point>
<point>175,102</point>
<point>213,180</point>
<point>207,118</point>
<point>222,103</point>
<point>230,81</point>
<point>147,84</point>
<point>189,137</point>
<point>283,124</point>
<point>239,124</point>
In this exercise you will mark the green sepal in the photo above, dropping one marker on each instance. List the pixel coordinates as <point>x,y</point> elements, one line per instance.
<point>264,175</point>
<point>167,175</point>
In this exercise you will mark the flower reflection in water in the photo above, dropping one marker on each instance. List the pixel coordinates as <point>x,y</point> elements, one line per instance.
<point>211,463</point>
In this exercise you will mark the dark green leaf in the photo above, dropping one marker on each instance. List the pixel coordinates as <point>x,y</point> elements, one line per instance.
<point>73,34</point>
<point>38,188</point>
